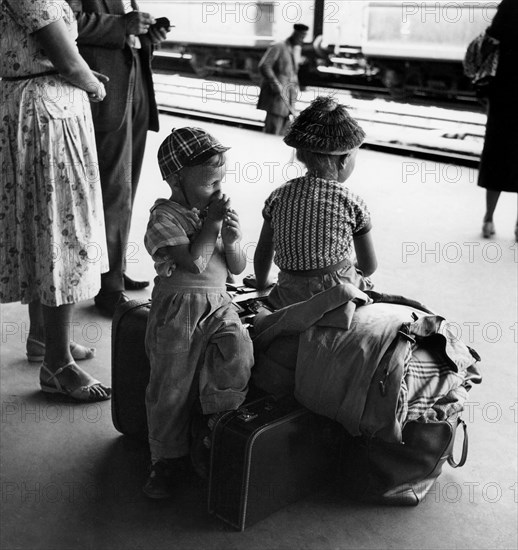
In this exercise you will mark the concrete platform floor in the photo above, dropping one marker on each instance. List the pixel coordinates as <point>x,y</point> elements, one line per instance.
<point>70,481</point>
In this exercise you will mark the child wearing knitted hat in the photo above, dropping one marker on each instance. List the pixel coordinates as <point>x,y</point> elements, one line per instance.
<point>312,223</point>
<point>200,355</point>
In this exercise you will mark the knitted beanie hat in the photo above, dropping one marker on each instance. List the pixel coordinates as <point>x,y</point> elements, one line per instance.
<point>325,127</point>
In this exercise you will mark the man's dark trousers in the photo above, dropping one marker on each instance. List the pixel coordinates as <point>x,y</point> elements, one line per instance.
<point>120,154</point>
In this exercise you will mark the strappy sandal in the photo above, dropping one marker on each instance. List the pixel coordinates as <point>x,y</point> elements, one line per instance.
<point>36,351</point>
<point>93,391</point>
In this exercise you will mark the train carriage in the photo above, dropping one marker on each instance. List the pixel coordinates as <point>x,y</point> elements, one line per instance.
<point>418,47</point>
<point>400,47</point>
<point>225,38</point>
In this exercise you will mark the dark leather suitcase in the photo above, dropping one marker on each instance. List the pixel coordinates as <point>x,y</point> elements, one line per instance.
<point>268,454</point>
<point>130,368</point>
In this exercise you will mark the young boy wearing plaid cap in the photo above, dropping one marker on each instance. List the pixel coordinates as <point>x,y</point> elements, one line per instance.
<point>199,351</point>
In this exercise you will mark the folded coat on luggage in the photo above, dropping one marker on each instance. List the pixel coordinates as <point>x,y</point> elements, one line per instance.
<point>353,370</point>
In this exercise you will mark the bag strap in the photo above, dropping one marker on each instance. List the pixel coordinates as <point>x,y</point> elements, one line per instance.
<point>464,454</point>
<point>396,299</point>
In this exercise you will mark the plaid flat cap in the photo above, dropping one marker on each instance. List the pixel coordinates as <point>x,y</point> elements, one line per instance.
<point>186,147</point>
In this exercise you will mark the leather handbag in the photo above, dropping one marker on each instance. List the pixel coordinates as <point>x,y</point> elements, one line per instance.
<point>481,59</point>
<point>373,470</point>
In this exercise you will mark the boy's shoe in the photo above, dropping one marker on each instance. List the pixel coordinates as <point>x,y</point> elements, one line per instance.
<point>163,473</point>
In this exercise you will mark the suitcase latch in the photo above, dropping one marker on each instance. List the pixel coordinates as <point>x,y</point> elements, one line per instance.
<point>246,415</point>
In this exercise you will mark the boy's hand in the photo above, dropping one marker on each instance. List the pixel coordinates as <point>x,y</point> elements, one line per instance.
<point>231,230</point>
<point>218,207</point>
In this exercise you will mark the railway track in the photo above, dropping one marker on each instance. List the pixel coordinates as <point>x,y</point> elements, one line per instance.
<point>172,62</point>
<point>450,135</point>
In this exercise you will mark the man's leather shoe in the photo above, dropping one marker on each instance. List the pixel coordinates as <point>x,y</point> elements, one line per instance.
<point>130,284</point>
<point>108,301</point>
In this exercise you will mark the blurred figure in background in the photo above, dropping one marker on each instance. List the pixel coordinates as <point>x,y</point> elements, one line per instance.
<point>53,246</point>
<point>499,161</point>
<point>280,88</point>
<point>118,40</point>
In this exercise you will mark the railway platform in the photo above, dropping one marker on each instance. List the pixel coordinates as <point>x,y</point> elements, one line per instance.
<point>69,480</point>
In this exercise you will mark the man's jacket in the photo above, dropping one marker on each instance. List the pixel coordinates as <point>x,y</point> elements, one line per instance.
<point>103,43</point>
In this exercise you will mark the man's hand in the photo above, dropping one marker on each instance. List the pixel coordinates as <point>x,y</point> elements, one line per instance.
<point>138,22</point>
<point>157,34</point>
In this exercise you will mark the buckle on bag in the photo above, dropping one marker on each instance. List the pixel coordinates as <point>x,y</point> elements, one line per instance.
<point>246,415</point>
<point>382,384</point>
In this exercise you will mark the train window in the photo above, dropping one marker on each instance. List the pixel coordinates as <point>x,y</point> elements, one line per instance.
<point>264,21</point>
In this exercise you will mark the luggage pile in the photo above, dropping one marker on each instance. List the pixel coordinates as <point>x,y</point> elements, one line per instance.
<point>273,450</point>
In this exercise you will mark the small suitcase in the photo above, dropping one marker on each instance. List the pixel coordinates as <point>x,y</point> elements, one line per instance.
<point>268,454</point>
<point>130,368</point>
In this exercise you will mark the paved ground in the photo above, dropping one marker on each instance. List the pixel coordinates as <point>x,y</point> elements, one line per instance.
<point>69,480</point>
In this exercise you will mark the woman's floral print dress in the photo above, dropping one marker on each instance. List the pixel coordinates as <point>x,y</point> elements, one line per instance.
<point>52,237</point>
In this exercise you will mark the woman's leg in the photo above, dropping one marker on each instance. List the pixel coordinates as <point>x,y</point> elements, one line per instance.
<point>488,227</point>
<point>491,202</point>
<point>36,340</point>
<point>58,322</point>
<point>37,324</point>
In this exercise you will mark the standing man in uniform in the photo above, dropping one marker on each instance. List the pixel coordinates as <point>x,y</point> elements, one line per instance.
<point>280,88</point>
<point>117,40</point>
